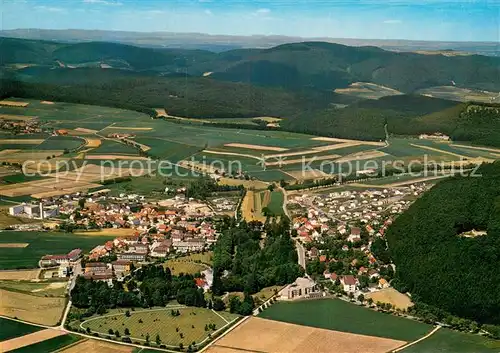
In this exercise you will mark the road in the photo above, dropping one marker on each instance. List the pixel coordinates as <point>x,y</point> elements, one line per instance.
<point>301,252</point>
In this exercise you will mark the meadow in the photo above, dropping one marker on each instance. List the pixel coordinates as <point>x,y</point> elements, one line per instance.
<point>186,328</point>
<point>10,329</point>
<point>335,314</point>
<point>447,341</point>
<point>275,204</point>
<point>40,244</point>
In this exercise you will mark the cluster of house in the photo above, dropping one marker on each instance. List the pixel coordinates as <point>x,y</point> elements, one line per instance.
<point>64,261</point>
<point>350,283</point>
<point>31,126</point>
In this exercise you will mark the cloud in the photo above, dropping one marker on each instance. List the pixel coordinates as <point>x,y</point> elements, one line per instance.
<point>393,22</point>
<point>103,2</point>
<point>49,8</point>
<point>209,12</point>
<point>262,11</point>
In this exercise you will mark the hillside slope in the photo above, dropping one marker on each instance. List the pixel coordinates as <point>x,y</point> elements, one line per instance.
<point>436,263</point>
<point>311,65</point>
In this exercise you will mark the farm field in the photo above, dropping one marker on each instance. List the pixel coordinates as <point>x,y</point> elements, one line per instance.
<point>11,329</point>
<point>40,244</point>
<point>39,310</point>
<point>19,275</point>
<point>447,341</point>
<point>49,345</point>
<point>212,145</point>
<point>282,337</point>
<point>39,289</point>
<point>191,324</point>
<point>367,90</point>
<point>95,346</point>
<point>391,296</point>
<point>335,314</point>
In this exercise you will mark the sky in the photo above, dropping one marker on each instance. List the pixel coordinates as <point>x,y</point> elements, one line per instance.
<point>444,20</point>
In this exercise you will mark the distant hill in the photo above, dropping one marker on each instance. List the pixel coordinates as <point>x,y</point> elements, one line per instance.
<point>296,66</point>
<point>218,43</point>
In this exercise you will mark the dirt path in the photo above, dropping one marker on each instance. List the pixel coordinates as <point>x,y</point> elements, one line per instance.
<point>417,341</point>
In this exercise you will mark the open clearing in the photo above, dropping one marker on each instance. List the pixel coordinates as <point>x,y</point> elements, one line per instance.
<point>335,314</point>
<point>95,346</point>
<point>459,94</point>
<point>279,337</point>
<point>13,245</point>
<point>161,112</point>
<point>39,310</point>
<point>367,90</point>
<point>256,147</point>
<point>10,103</point>
<point>19,275</point>
<point>47,102</point>
<point>392,296</point>
<point>161,322</point>
<point>29,339</point>
<point>249,205</point>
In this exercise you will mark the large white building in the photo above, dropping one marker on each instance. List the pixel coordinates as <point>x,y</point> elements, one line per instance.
<point>302,288</point>
<point>34,211</point>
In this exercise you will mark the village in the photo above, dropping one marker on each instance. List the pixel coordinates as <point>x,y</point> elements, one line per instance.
<point>342,239</point>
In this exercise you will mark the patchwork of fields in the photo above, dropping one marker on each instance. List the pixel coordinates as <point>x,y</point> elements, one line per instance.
<point>269,155</point>
<point>335,314</point>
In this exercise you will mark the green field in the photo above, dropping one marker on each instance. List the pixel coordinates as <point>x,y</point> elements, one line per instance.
<point>191,324</point>
<point>336,314</point>
<point>49,345</point>
<point>108,147</point>
<point>447,341</point>
<point>40,244</point>
<point>60,143</point>
<point>276,203</point>
<point>10,329</point>
<point>168,150</point>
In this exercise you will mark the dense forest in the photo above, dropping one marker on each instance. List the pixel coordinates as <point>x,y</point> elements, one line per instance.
<point>440,266</point>
<point>317,65</point>
<point>243,264</point>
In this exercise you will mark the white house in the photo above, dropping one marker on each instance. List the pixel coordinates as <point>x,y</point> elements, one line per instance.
<point>349,283</point>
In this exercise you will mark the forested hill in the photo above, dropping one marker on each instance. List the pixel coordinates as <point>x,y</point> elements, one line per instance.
<point>317,65</point>
<point>436,263</point>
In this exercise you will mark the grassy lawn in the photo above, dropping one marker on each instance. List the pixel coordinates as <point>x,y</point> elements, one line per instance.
<point>49,345</point>
<point>40,244</point>
<point>10,329</point>
<point>181,265</point>
<point>186,328</point>
<point>266,293</point>
<point>335,314</point>
<point>447,341</point>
